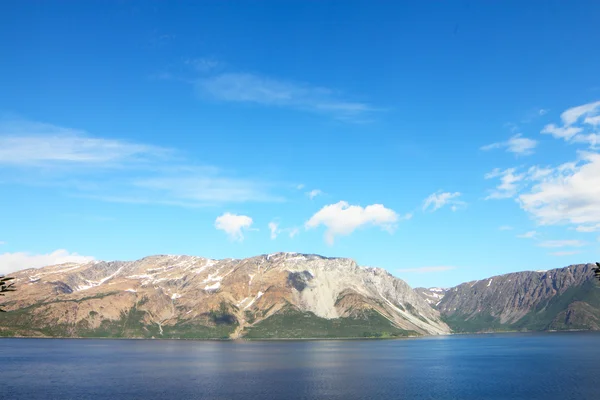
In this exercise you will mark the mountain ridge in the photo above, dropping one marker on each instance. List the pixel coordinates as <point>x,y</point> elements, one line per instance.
<point>285,295</point>
<point>188,296</point>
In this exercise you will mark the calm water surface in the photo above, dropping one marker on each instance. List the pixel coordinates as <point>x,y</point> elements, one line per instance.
<point>509,366</point>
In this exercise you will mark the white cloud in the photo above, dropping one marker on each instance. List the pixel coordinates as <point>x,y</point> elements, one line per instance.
<point>588,228</point>
<point>570,194</point>
<point>508,186</point>
<point>424,270</point>
<point>562,243</point>
<point>516,144</point>
<point>592,120</point>
<point>37,144</point>
<point>274,228</point>
<point>506,228</point>
<point>205,188</point>
<point>233,225</point>
<point>2,243</point>
<point>575,121</point>
<point>542,111</point>
<point>314,193</point>
<point>12,262</point>
<point>528,235</point>
<point>39,154</point>
<point>300,186</point>
<point>564,253</point>
<point>566,132</point>
<point>203,64</point>
<point>572,115</point>
<point>343,219</point>
<point>250,88</point>
<point>439,199</point>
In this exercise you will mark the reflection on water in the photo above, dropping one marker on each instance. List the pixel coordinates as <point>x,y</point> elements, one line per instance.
<point>511,366</point>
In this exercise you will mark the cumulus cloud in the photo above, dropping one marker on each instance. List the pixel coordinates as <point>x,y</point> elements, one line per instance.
<point>562,243</point>
<point>12,262</point>
<point>578,125</point>
<point>314,193</point>
<point>425,270</point>
<point>528,235</point>
<point>569,194</point>
<point>516,144</point>
<point>233,225</point>
<point>343,219</point>
<point>439,199</point>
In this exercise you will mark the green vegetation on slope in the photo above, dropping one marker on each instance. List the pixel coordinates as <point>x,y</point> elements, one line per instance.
<point>26,322</point>
<point>577,308</point>
<point>293,324</point>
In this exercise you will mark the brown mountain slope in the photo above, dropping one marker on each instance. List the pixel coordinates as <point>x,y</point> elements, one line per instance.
<point>278,295</point>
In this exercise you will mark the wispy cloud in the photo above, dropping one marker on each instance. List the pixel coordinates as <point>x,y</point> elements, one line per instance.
<point>528,235</point>
<point>509,183</point>
<point>437,200</point>
<point>516,144</point>
<point>276,230</point>
<point>24,143</point>
<point>578,125</point>
<point>562,243</point>
<point>426,270</point>
<point>342,219</point>
<point>204,64</point>
<point>506,228</point>
<point>314,193</point>
<point>12,262</point>
<point>117,171</point>
<point>564,253</point>
<point>266,91</point>
<point>233,225</point>
<point>205,188</point>
<point>588,228</point>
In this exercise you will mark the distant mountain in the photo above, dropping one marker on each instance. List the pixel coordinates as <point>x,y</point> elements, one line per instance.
<point>283,295</point>
<point>559,299</point>
<point>432,296</point>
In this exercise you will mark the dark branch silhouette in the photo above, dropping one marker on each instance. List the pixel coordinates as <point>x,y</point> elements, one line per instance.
<point>6,286</point>
<point>597,270</point>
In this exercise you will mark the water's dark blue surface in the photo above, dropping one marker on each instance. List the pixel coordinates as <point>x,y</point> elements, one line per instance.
<point>509,366</point>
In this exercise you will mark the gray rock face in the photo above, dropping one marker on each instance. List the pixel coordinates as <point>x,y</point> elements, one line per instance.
<point>525,300</point>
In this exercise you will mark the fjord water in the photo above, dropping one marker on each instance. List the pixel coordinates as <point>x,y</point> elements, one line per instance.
<point>504,366</point>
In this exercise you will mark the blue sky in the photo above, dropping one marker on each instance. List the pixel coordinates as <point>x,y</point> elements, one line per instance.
<point>444,142</point>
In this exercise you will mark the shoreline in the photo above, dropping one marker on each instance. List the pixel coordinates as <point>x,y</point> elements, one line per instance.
<point>302,339</point>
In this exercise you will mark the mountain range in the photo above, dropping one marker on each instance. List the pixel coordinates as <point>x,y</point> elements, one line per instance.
<point>285,295</point>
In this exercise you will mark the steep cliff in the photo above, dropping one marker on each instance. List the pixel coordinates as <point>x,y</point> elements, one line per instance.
<point>558,299</point>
